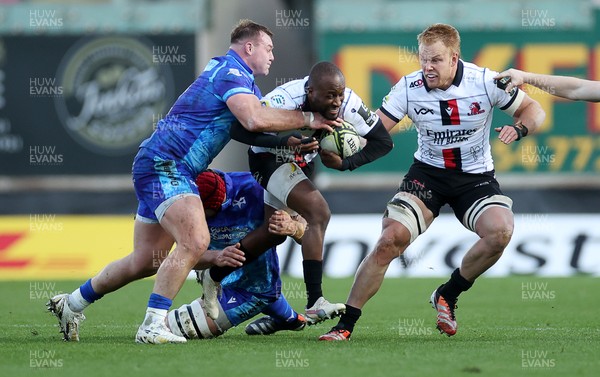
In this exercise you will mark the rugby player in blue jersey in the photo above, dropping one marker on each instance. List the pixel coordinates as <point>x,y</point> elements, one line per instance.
<point>233,205</point>
<point>184,143</point>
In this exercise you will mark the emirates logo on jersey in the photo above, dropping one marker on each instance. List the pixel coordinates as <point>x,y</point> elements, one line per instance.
<point>450,136</point>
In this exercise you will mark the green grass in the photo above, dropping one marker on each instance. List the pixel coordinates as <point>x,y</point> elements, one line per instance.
<point>554,333</point>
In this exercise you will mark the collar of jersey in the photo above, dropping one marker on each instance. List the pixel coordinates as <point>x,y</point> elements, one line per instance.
<point>241,62</point>
<point>457,78</point>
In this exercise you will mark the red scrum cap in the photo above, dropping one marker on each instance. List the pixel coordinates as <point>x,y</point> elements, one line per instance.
<point>212,189</point>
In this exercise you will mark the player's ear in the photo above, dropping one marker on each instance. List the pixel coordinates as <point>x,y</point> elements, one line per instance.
<point>454,59</point>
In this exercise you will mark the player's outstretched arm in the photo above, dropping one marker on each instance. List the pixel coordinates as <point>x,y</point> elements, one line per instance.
<point>388,123</point>
<point>572,88</point>
<point>294,141</point>
<point>257,118</point>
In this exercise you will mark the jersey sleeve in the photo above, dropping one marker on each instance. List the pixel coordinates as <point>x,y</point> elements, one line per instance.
<point>395,104</point>
<point>231,81</point>
<point>359,115</point>
<point>279,99</point>
<point>507,102</point>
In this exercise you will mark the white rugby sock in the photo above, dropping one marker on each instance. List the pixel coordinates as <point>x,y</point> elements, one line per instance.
<point>154,315</point>
<point>76,301</point>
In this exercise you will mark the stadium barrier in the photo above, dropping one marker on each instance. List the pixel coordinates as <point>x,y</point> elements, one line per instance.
<point>45,246</point>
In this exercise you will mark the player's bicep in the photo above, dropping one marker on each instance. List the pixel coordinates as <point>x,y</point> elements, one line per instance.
<point>388,122</point>
<point>524,103</point>
<point>279,99</point>
<point>244,107</point>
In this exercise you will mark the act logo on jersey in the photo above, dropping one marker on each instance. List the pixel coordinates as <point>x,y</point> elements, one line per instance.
<point>416,84</point>
<point>235,72</point>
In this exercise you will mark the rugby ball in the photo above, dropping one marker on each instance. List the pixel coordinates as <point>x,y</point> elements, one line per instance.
<point>343,141</point>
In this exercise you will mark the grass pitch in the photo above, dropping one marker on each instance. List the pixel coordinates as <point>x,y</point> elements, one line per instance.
<point>518,326</point>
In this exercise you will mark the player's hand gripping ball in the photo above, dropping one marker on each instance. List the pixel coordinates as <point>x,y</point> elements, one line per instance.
<point>343,141</point>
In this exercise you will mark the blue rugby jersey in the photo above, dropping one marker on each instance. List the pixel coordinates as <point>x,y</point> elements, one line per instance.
<point>242,212</point>
<point>197,126</point>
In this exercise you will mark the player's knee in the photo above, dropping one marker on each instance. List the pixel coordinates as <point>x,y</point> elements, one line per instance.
<point>317,213</point>
<point>194,247</point>
<point>499,236</point>
<point>385,251</point>
<point>492,219</point>
<point>322,217</point>
<point>393,241</point>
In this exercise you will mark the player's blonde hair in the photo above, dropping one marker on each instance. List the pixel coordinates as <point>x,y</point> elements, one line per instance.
<point>447,34</point>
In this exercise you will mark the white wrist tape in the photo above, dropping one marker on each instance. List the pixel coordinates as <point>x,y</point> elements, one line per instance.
<point>308,118</point>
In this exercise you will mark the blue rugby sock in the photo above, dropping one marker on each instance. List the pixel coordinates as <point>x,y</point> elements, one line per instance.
<point>281,311</point>
<point>157,301</point>
<point>88,293</point>
<point>83,296</point>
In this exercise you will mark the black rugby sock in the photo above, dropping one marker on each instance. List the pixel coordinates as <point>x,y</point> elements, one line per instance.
<point>313,277</point>
<point>455,286</point>
<point>219,273</point>
<point>349,318</point>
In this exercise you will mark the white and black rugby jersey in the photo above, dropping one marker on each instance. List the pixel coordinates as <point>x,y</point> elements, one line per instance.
<point>292,96</point>
<point>453,125</point>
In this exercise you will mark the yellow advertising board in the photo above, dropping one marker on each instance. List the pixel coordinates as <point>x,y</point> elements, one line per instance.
<point>45,246</point>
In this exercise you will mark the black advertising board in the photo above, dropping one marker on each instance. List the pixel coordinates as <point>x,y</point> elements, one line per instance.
<point>82,104</point>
